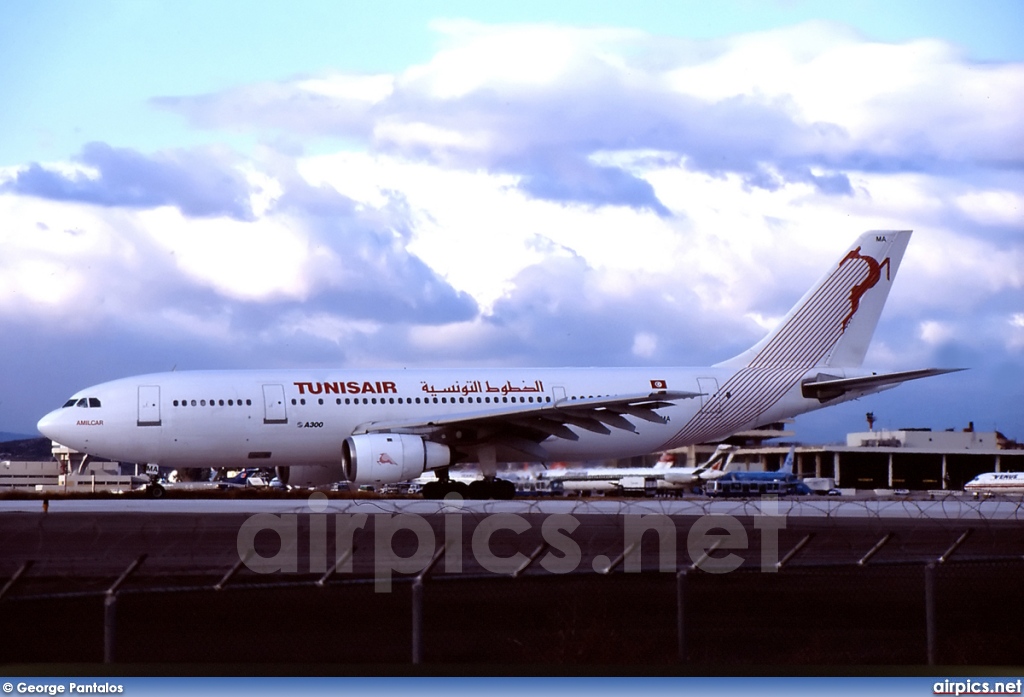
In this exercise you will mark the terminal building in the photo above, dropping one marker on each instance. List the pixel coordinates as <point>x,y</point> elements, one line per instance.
<point>910,458</point>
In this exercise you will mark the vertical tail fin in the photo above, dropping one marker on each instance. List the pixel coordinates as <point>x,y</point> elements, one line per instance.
<point>833,323</point>
<point>787,464</point>
<point>719,459</point>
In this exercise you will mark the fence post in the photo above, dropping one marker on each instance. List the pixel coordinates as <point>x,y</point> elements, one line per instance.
<point>417,608</point>
<point>110,611</point>
<point>109,626</point>
<point>681,614</point>
<point>417,621</point>
<point>929,611</point>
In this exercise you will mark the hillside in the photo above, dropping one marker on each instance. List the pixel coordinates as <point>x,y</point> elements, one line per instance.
<point>26,449</point>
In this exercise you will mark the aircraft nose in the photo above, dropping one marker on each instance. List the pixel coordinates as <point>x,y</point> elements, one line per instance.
<point>49,425</point>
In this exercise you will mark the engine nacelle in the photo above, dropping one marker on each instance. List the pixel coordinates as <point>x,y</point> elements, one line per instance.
<point>384,458</point>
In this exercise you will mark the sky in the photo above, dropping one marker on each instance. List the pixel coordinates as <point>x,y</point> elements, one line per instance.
<point>192,185</point>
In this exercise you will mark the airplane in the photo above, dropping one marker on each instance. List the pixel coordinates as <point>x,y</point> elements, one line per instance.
<point>622,479</point>
<point>316,427</point>
<point>996,483</point>
<point>782,482</point>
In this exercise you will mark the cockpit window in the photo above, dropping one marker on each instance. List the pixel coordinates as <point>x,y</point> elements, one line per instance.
<point>84,402</point>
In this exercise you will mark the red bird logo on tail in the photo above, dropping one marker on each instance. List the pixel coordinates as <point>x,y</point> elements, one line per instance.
<point>873,277</point>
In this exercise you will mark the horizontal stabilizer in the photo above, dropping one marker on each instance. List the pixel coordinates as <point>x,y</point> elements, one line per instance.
<point>826,387</point>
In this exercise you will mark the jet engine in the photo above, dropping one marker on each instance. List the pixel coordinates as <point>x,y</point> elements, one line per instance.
<point>383,458</point>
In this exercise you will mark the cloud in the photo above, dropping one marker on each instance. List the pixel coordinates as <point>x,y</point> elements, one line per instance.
<point>194,181</point>
<point>82,260</point>
<point>800,104</point>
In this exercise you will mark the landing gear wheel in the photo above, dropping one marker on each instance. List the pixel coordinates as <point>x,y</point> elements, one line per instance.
<point>439,490</point>
<point>480,490</point>
<point>460,488</point>
<point>484,489</point>
<point>504,489</point>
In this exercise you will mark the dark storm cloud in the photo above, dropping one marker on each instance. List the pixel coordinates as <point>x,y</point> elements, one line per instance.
<point>196,182</point>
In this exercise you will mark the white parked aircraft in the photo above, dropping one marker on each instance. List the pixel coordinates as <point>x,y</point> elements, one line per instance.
<point>997,483</point>
<point>388,425</point>
<point>662,476</point>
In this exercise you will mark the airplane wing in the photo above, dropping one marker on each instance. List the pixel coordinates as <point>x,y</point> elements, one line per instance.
<point>827,387</point>
<point>522,427</point>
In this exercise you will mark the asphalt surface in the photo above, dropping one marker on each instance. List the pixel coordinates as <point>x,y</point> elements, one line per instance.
<point>820,582</point>
<point>85,542</point>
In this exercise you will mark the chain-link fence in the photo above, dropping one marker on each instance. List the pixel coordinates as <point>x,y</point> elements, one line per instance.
<point>801,615</point>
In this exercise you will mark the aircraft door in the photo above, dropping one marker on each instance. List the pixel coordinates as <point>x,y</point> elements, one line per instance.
<point>709,402</point>
<point>558,394</point>
<point>149,405</point>
<point>273,405</point>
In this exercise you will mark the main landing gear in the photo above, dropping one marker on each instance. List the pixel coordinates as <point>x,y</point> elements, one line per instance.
<point>481,489</point>
<point>439,489</point>
<point>492,489</point>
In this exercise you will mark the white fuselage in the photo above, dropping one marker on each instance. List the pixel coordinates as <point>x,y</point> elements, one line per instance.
<point>301,417</point>
<point>619,478</point>
<point>997,483</point>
